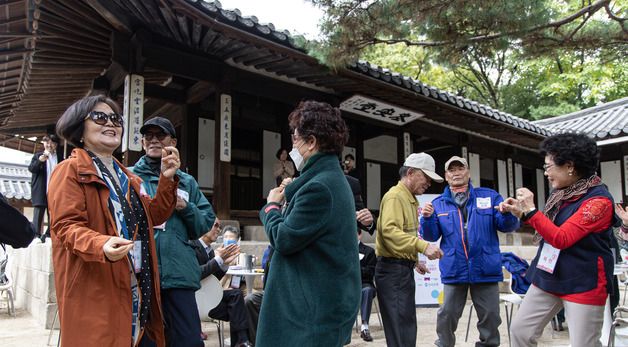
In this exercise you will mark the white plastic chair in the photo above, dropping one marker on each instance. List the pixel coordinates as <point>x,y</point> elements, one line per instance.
<point>619,330</point>
<point>6,284</point>
<point>208,297</point>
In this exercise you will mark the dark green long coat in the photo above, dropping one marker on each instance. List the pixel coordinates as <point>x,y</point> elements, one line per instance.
<point>313,289</point>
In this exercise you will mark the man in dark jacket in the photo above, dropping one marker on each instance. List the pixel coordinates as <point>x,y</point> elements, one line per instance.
<point>41,167</point>
<point>214,262</point>
<point>467,218</point>
<point>15,229</point>
<point>179,272</point>
<point>368,260</point>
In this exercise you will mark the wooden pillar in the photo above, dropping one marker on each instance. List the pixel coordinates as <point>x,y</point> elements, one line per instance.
<point>222,169</point>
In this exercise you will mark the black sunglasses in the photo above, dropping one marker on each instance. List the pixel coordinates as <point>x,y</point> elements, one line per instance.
<point>149,136</point>
<point>101,118</point>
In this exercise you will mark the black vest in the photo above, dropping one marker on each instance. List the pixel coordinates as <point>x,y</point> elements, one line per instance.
<point>576,270</point>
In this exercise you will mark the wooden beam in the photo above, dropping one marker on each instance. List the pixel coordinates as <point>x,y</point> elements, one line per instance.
<point>116,16</point>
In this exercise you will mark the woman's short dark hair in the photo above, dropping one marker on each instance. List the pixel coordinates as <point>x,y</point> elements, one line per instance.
<point>321,120</point>
<point>72,123</point>
<point>280,151</point>
<point>579,149</point>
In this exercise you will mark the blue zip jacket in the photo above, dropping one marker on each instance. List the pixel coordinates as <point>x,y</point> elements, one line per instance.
<point>178,267</point>
<point>472,256</point>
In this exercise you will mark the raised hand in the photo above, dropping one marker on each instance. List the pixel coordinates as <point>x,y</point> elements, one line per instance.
<point>427,210</point>
<point>622,213</point>
<point>170,161</point>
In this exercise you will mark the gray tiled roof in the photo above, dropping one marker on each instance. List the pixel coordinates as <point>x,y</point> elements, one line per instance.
<point>250,24</point>
<point>600,122</point>
<point>479,109</point>
<point>15,181</point>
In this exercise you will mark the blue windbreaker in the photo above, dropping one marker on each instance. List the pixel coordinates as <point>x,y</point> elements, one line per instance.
<point>471,256</point>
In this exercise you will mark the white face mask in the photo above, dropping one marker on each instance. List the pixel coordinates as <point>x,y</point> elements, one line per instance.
<point>297,158</point>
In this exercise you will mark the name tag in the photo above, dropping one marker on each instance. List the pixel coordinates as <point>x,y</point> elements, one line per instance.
<point>137,256</point>
<point>183,195</point>
<point>483,203</point>
<point>548,258</point>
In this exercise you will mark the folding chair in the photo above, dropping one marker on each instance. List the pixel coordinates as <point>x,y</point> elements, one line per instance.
<point>6,284</point>
<point>207,298</point>
<point>358,320</point>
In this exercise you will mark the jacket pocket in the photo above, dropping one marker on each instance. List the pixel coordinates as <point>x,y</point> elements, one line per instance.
<point>447,222</point>
<point>491,261</point>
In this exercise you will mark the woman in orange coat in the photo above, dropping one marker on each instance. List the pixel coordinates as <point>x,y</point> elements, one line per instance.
<point>106,273</point>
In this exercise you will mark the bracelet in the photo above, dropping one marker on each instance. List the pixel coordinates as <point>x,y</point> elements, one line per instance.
<point>528,215</point>
<point>272,206</point>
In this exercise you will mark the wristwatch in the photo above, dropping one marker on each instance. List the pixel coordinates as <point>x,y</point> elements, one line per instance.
<point>527,214</point>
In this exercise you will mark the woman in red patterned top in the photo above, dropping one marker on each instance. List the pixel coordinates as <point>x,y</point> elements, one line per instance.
<point>574,264</point>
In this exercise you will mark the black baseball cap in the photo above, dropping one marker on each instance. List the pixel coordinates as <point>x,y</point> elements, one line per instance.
<point>161,122</point>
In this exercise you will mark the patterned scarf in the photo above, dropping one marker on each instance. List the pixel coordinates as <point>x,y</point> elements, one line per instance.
<point>558,196</point>
<point>132,224</point>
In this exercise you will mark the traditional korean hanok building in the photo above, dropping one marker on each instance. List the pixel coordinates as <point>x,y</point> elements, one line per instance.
<point>608,125</point>
<point>228,82</point>
<point>15,184</point>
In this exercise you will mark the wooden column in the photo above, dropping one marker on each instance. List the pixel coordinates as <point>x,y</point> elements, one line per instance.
<point>222,169</point>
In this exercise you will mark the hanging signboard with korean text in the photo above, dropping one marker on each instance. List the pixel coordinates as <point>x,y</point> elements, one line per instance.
<point>225,127</point>
<point>133,112</point>
<point>379,110</point>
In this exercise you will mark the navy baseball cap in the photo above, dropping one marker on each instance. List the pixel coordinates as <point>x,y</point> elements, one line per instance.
<point>161,122</point>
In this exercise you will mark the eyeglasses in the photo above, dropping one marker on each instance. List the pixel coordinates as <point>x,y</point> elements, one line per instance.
<point>101,118</point>
<point>218,226</point>
<point>546,167</point>
<point>160,136</point>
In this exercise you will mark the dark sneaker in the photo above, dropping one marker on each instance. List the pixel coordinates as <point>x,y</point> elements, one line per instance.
<point>366,335</point>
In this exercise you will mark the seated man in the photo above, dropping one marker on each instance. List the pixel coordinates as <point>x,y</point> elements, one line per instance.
<point>231,307</point>
<point>367,265</point>
<point>253,301</point>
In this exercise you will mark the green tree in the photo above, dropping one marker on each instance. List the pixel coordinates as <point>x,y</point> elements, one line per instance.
<point>528,58</point>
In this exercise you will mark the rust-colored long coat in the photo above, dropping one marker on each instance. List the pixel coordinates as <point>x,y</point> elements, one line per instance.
<point>93,293</point>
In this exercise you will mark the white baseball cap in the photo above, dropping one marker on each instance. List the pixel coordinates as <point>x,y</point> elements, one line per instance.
<point>456,158</point>
<point>425,163</point>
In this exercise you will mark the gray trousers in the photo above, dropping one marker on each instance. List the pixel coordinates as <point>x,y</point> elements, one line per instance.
<point>253,303</point>
<point>538,308</point>
<point>395,292</point>
<point>485,298</point>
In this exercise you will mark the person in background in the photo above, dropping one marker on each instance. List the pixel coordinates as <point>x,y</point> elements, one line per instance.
<point>103,250</point>
<point>397,244</point>
<point>466,220</point>
<point>15,229</point>
<point>179,271</point>
<point>231,235</point>
<point>573,267</point>
<point>363,216</point>
<point>312,294</point>
<point>622,213</point>
<point>348,166</point>
<point>368,260</point>
<point>216,262</point>
<point>41,167</point>
<point>283,167</point>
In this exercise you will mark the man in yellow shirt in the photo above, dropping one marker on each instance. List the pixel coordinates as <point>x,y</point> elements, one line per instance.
<point>397,244</point>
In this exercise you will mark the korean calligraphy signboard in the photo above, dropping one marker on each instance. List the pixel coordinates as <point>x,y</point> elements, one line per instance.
<point>225,127</point>
<point>379,110</point>
<point>133,112</point>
